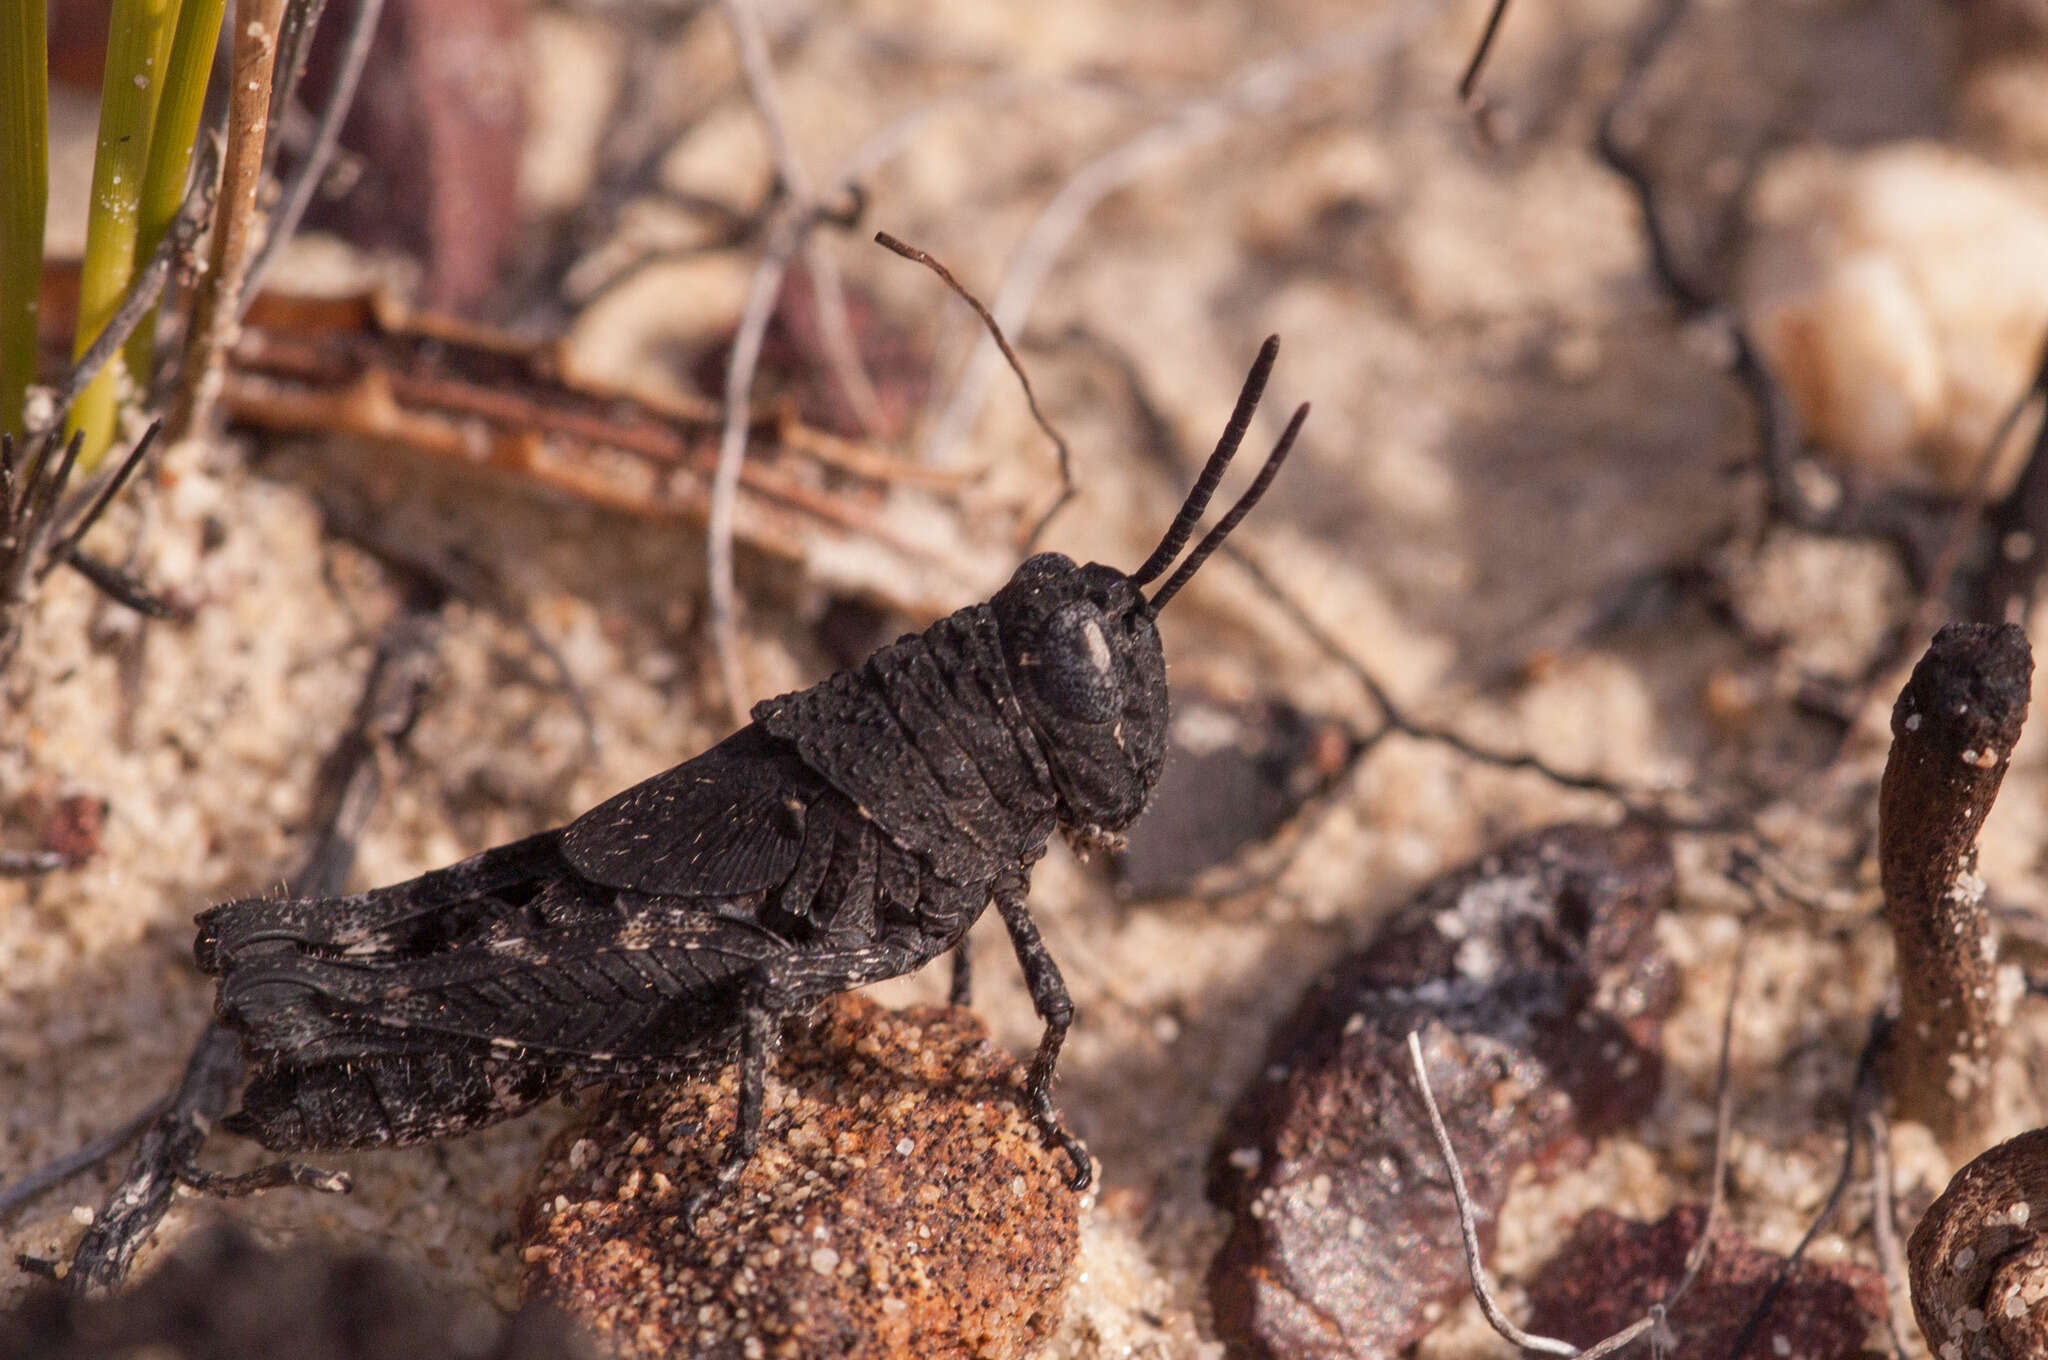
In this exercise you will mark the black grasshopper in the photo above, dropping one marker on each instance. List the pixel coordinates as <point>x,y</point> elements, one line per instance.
<point>851,832</point>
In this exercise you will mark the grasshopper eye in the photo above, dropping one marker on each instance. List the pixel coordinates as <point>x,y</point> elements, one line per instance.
<point>1077,668</point>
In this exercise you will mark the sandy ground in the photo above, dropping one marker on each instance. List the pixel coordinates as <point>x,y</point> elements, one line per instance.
<point>1510,425</point>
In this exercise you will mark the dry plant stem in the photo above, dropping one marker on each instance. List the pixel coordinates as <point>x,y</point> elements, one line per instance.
<point>1261,88</point>
<point>1977,1260</point>
<point>1969,511</point>
<point>835,334</point>
<point>1953,731</point>
<point>424,568</point>
<point>732,451</point>
<point>295,34</point>
<point>67,548</point>
<point>786,232</point>
<point>140,1201</point>
<point>47,1178</point>
<point>349,784</point>
<point>1469,1229</point>
<point>217,299</point>
<point>1884,1229</point>
<point>1066,456</point>
<point>1636,802</point>
<point>307,177</point>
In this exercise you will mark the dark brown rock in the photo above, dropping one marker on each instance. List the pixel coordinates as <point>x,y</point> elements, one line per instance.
<point>901,1204</point>
<point>1611,1270</point>
<point>435,131</point>
<point>1534,981</point>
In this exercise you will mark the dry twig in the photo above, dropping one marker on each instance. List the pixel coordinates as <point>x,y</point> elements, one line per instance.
<point>41,528</point>
<point>47,1178</point>
<point>1468,83</point>
<point>2018,524</point>
<point>1884,1229</point>
<point>1862,1095</point>
<point>1638,803</point>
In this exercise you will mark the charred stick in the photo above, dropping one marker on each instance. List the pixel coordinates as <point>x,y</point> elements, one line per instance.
<point>1953,733</point>
<point>1002,343</point>
<point>140,1201</point>
<point>1468,84</point>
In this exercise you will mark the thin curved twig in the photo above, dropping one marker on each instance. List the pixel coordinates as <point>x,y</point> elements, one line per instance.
<point>1638,803</point>
<point>1884,1230</point>
<point>792,220</point>
<point>1864,1093</point>
<point>783,238</point>
<point>1468,1229</point>
<point>1724,1115</point>
<point>1066,455</point>
<point>1469,82</point>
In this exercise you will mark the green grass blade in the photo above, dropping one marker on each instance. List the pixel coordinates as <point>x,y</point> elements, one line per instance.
<point>137,36</point>
<point>173,137</point>
<point>24,195</point>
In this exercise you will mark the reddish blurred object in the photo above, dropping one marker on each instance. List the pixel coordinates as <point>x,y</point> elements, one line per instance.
<point>794,366</point>
<point>434,136</point>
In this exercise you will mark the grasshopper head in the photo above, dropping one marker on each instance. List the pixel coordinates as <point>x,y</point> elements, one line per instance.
<point>1082,645</point>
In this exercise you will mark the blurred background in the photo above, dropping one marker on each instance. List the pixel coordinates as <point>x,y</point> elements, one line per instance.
<point>1659,384</point>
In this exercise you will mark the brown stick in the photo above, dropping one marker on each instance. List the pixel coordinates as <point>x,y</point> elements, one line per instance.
<point>1953,732</point>
<point>216,303</point>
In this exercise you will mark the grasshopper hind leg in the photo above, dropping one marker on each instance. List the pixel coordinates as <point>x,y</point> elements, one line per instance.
<point>787,987</point>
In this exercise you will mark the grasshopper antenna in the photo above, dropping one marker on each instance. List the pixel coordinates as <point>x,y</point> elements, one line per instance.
<point>1214,538</point>
<point>1183,526</point>
<point>1067,487</point>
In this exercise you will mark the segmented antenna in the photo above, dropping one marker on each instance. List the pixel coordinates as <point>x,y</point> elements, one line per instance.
<point>1214,538</point>
<point>1183,526</point>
